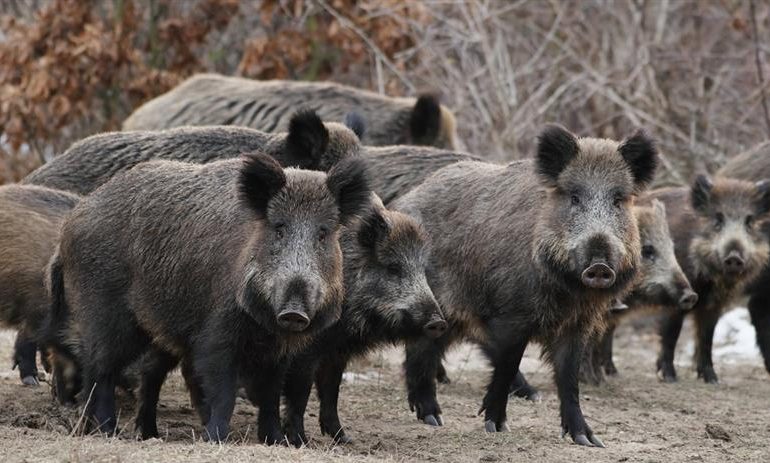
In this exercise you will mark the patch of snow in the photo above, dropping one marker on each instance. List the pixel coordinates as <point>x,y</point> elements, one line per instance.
<point>735,340</point>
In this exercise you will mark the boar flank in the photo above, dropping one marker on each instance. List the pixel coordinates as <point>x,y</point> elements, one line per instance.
<point>87,164</point>
<point>754,165</point>
<point>231,267</point>
<point>30,217</point>
<point>535,250</point>
<point>387,300</point>
<point>719,241</point>
<point>661,284</point>
<point>211,99</point>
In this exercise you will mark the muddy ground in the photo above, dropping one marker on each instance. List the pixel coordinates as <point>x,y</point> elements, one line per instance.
<point>638,418</point>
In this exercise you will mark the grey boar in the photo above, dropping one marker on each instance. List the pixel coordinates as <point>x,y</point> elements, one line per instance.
<point>661,284</point>
<point>231,267</point>
<point>30,217</point>
<point>211,99</point>
<point>719,242</point>
<point>754,165</point>
<point>87,164</point>
<point>387,300</point>
<point>532,251</point>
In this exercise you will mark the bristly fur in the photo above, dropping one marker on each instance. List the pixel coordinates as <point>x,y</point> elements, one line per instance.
<point>349,182</point>
<point>355,122</point>
<point>374,227</point>
<point>425,121</point>
<point>261,178</point>
<point>555,149</point>
<point>308,138</point>
<point>701,192</point>
<point>641,154</point>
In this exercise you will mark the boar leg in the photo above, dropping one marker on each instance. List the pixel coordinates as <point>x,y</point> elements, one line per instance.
<point>566,354</point>
<point>605,349</point>
<point>25,353</point>
<point>157,365</point>
<point>328,379</point>
<point>264,386</point>
<point>760,318</point>
<point>215,363</point>
<point>296,391</point>
<point>196,391</point>
<point>590,367</point>
<point>422,359</point>
<point>670,328</point>
<point>505,361</point>
<point>522,389</point>
<point>705,322</point>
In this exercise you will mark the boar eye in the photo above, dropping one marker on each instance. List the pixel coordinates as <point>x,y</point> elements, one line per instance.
<point>394,270</point>
<point>649,252</point>
<point>617,201</point>
<point>322,233</point>
<point>575,199</point>
<point>719,220</point>
<point>749,221</point>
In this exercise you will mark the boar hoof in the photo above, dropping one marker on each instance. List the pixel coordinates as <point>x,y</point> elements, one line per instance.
<point>30,381</point>
<point>535,396</point>
<point>666,376</point>
<point>343,439</point>
<point>491,426</point>
<point>433,420</point>
<point>592,441</point>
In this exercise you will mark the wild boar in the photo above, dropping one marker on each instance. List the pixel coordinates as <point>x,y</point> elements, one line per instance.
<point>87,164</point>
<point>720,244</point>
<point>387,300</point>
<point>232,267</point>
<point>211,99</point>
<point>30,218</point>
<point>535,250</point>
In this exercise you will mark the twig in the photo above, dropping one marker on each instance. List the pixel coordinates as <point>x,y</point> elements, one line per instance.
<point>760,74</point>
<point>345,22</point>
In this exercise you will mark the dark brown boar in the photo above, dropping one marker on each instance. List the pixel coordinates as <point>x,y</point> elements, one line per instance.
<point>231,267</point>
<point>535,250</point>
<point>87,164</point>
<point>30,217</point>
<point>211,99</point>
<point>387,300</point>
<point>718,240</point>
<point>754,165</point>
<point>661,284</point>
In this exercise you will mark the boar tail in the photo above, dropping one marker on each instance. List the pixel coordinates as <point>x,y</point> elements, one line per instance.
<point>59,312</point>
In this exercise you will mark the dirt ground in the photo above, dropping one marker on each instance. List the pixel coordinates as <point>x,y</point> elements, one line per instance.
<point>638,418</point>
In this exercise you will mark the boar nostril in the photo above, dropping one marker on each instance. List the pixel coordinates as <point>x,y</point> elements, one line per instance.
<point>435,328</point>
<point>293,320</point>
<point>598,275</point>
<point>688,300</point>
<point>734,262</point>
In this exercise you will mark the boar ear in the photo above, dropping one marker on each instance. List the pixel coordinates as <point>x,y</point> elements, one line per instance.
<point>307,140</point>
<point>261,178</point>
<point>425,120</point>
<point>556,147</point>
<point>348,181</point>
<point>700,193</point>
<point>641,155</point>
<point>356,123</point>
<point>374,227</point>
<point>763,196</point>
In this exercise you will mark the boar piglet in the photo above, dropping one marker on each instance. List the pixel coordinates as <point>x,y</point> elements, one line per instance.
<point>309,144</point>
<point>660,284</point>
<point>535,250</point>
<point>387,300</point>
<point>30,217</point>
<point>231,267</point>
<point>716,226</point>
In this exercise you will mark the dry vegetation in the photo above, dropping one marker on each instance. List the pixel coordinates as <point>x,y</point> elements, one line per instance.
<point>690,71</point>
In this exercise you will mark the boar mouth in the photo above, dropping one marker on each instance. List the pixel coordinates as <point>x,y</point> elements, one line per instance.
<point>435,328</point>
